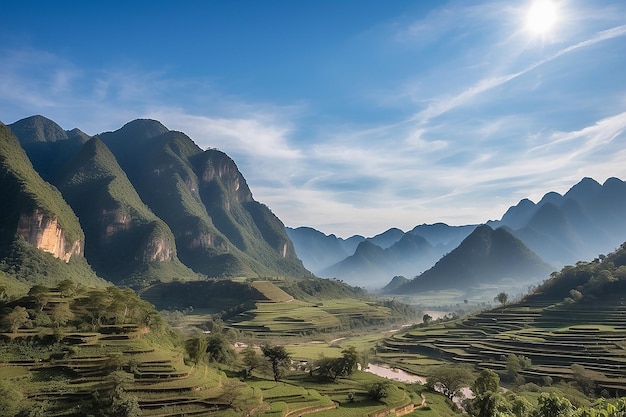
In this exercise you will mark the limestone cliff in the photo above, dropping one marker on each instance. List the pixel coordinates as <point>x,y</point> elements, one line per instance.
<point>45,233</point>
<point>32,208</point>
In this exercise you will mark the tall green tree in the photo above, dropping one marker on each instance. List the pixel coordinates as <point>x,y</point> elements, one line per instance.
<point>451,378</point>
<point>219,350</point>
<point>10,399</point>
<point>502,298</point>
<point>251,360</point>
<point>278,358</point>
<point>40,293</point>
<point>551,405</point>
<point>17,318</point>
<point>487,381</point>
<point>196,348</point>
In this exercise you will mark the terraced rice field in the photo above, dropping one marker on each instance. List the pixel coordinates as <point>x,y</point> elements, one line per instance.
<point>296,318</point>
<point>553,336</point>
<point>163,384</point>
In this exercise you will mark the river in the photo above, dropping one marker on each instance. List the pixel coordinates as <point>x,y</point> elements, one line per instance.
<point>402,376</point>
<point>395,374</point>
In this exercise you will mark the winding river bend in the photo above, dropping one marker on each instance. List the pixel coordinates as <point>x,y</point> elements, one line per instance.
<point>393,373</point>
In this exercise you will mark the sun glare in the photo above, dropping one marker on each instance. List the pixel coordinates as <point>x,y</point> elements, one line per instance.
<point>541,17</point>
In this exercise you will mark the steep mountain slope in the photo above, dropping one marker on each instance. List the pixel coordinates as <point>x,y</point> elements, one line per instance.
<point>34,218</point>
<point>372,265</point>
<point>219,228</point>
<point>583,222</point>
<point>154,197</point>
<point>317,250</point>
<point>485,256</point>
<point>442,235</point>
<point>387,238</point>
<point>123,235</point>
<point>47,145</point>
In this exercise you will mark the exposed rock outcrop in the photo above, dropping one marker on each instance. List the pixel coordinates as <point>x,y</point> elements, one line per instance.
<point>45,233</point>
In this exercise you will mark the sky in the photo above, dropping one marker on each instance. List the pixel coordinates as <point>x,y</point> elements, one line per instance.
<point>351,117</point>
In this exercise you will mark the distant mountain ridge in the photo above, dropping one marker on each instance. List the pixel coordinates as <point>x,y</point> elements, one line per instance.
<point>585,221</point>
<point>485,256</point>
<point>153,205</point>
<point>372,264</point>
<point>562,229</point>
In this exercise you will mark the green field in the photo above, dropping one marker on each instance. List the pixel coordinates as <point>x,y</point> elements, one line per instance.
<point>552,336</point>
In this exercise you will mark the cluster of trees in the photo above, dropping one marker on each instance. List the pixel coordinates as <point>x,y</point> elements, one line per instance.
<point>490,401</point>
<point>216,348</point>
<point>77,306</point>
<point>333,368</point>
<point>586,281</point>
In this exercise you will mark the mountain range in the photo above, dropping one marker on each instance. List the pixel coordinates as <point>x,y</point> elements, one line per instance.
<point>561,229</point>
<point>139,204</point>
<point>143,204</point>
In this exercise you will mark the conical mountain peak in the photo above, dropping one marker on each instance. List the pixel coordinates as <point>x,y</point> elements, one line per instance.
<point>37,129</point>
<point>143,128</point>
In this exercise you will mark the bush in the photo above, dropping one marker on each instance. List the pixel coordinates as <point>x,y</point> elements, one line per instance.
<point>379,390</point>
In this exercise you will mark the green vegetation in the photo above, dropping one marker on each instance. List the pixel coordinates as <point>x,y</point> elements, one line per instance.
<point>23,191</point>
<point>24,266</point>
<point>126,242</point>
<point>546,338</point>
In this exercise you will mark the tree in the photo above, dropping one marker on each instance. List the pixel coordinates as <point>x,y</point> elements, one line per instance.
<point>327,368</point>
<point>427,318</point>
<point>278,357</point>
<point>520,406</point>
<point>487,381</point>
<point>502,298</point>
<point>450,378</point>
<point>17,318</point>
<point>219,350</point>
<point>585,378</point>
<point>67,288</point>
<point>251,360</point>
<point>551,405</point>
<point>489,404</point>
<point>124,404</point>
<point>94,306</point>
<point>40,293</point>
<point>349,361</point>
<point>513,366</point>
<point>61,314</point>
<point>10,404</point>
<point>196,348</point>
<point>379,390</point>
<point>488,401</point>
<point>333,368</point>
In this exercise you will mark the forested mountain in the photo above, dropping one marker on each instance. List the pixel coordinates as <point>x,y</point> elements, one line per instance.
<point>147,199</point>
<point>40,236</point>
<point>486,256</point>
<point>124,235</point>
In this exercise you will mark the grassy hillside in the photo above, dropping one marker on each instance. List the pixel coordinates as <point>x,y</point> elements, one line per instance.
<point>103,353</point>
<point>271,310</point>
<point>570,328</point>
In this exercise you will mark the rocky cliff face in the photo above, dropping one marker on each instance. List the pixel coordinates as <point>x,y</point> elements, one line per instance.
<point>158,249</point>
<point>45,233</point>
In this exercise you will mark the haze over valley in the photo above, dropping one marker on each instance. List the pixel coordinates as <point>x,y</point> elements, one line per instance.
<point>277,209</point>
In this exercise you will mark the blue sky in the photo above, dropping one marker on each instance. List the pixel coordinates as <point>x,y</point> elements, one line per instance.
<point>347,116</point>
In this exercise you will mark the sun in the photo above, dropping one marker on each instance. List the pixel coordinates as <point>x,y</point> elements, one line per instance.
<point>542,17</point>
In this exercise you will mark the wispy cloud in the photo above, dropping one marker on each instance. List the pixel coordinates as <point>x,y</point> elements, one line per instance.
<point>464,98</point>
